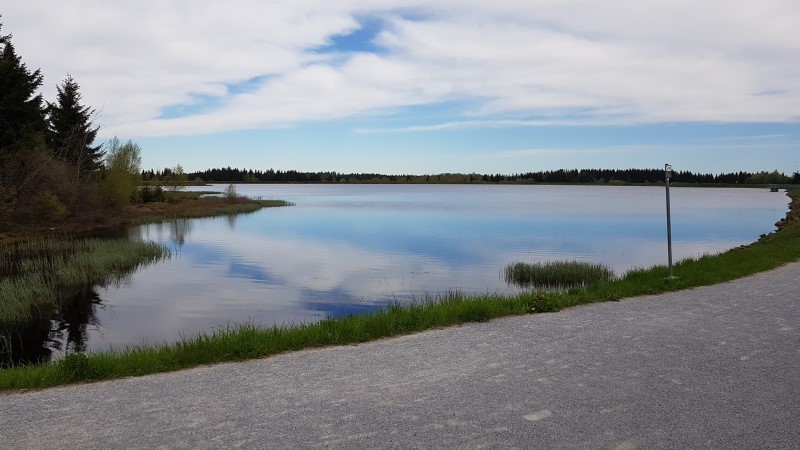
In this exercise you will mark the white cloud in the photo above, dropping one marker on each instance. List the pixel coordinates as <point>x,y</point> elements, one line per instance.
<point>619,61</point>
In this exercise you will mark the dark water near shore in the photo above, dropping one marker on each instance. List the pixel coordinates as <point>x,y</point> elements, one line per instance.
<point>352,248</point>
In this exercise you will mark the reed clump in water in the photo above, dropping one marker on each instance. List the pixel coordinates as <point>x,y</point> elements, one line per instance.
<point>33,273</point>
<point>557,274</point>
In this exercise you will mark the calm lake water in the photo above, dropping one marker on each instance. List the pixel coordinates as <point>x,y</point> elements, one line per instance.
<point>346,249</point>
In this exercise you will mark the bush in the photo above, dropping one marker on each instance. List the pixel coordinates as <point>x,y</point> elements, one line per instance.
<point>48,207</point>
<point>148,194</point>
<point>176,178</point>
<point>123,171</point>
<point>37,190</point>
<point>230,194</point>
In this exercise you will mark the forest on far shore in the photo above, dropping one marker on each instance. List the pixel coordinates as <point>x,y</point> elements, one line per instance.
<point>587,176</point>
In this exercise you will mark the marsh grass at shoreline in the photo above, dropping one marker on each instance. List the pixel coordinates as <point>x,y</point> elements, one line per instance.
<point>247,341</point>
<point>41,275</point>
<point>556,274</point>
<point>34,272</point>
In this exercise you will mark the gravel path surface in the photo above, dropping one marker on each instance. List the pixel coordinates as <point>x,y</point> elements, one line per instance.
<point>714,367</point>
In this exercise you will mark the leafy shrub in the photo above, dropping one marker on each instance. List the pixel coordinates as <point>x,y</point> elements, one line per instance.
<point>123,168</point>
<point>48,207</point>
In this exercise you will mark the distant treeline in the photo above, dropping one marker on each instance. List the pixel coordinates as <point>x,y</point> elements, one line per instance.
<point>637,176</point>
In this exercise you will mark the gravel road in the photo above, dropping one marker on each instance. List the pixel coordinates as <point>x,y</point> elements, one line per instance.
<point>713,367</point>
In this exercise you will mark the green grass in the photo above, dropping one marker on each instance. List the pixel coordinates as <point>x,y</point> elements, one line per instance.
<point>248,341</point>
<point>556,274</point>
<point>34,273</point>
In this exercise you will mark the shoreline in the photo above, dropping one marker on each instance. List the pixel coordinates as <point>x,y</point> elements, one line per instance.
<point>709,367</point>
<point>249,341</point>
<point>185,205</point>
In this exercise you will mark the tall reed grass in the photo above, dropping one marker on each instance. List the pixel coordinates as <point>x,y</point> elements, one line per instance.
<point>33,273</point>
<point>556,274</point>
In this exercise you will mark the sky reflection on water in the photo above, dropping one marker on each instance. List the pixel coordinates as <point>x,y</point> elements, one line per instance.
<point>349,249</point>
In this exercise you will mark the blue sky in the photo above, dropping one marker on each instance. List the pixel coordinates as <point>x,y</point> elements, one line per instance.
<point>398,86</point>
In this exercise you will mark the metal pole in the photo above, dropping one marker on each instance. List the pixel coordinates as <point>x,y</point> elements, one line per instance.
<point>668,173</point>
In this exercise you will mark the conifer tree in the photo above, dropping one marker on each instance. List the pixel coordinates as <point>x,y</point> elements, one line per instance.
<point>70,133</point>
<point>21,112</point>
<point>22,126</point>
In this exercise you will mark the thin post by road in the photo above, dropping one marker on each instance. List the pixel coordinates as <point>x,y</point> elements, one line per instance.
<point>667,176</point>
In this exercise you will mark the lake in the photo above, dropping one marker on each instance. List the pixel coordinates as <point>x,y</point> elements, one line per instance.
<point>346,249</point>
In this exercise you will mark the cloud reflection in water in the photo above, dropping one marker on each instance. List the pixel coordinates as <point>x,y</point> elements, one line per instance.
<point>348,249</point>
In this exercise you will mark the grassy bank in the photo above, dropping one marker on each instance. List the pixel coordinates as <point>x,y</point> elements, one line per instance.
<point>251,341</point>
<point>189,205</point>
<point>33,273</point>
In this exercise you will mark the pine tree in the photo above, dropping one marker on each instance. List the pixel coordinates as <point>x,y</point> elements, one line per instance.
<point>70,133</point>
<point>21,113</point>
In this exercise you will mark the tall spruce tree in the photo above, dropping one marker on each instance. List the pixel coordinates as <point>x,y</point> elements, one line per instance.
<point>70,133</point>
<point>22,127</point>
<point>22,118</point>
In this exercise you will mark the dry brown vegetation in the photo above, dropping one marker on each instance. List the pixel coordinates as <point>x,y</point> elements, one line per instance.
<point>43,197</point>
<point>194,204</point>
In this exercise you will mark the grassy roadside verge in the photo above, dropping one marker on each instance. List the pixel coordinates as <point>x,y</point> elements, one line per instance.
<point>251,341</point>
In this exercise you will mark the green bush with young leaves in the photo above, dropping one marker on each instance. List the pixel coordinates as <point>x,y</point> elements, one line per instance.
<point>123,171</point>
<point>48,206</point>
